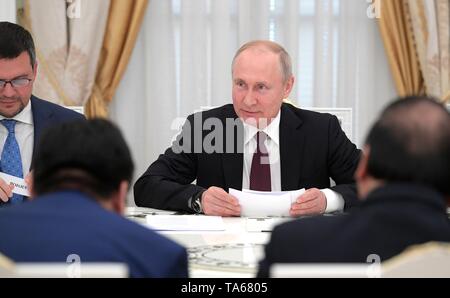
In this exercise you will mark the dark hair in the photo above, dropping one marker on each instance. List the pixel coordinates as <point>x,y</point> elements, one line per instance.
<point>411,143</point>
<point>87,155</point>
<point>14,40</point>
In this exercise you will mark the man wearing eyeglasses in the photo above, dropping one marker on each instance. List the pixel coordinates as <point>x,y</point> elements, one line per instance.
<point>22,115</point>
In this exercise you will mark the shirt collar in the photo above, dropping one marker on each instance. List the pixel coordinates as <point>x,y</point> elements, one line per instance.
<point>272,130</point>
<point>25,116</point>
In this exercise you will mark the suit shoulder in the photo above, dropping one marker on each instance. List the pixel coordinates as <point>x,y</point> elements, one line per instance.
<point>222,112</point>
<point>308,114</point>
<point>310,228</point>
<point>59,111</point>
<point>148,237</point>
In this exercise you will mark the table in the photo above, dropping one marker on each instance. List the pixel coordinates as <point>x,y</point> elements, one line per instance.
<point>233,253</point>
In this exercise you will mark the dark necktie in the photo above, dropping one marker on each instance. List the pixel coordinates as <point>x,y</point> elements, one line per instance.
<point>260,170</point>
<point>11,161</point>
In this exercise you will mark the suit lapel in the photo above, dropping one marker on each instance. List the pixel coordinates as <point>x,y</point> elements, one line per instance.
<point>292,142</point>
<point>41,116</point>
<point>233,163</point>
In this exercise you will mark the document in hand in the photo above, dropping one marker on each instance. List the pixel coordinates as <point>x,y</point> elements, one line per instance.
<point>265,204</point>
<point>20,187</point>
<point>185,223</point>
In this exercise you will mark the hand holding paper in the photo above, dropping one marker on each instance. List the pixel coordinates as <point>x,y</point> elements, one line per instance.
<point>264,204</point>
<point>313,201</point>
<point>5,191</point>
<point>218,202</point>
<point>20,186</point>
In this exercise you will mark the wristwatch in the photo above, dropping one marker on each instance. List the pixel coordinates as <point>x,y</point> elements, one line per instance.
<point>196,203</point>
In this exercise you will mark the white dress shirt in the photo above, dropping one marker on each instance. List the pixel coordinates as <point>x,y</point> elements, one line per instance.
<point>335,202</point>
<point>24,131</point>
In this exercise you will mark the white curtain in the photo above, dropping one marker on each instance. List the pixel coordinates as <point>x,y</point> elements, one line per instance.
<point>431,26</point>
<point>68,38</point>
<point>8,11</point>
<point>182,62</point>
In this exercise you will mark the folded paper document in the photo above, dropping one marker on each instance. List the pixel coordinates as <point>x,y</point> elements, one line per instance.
<point>265,204</point>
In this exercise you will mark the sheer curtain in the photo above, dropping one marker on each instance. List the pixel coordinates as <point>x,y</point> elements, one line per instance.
<point>183,54</point>
<point>430,21</point>
<point>67,47</point>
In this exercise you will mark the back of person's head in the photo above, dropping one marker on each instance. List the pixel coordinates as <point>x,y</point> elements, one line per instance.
<point>14,40</point>
<point>86,155</point>
<point>411,143</point>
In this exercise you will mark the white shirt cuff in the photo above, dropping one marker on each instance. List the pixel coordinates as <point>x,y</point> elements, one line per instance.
<point>335,202</point>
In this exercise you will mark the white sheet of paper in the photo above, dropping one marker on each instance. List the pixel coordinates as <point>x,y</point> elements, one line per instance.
<point>265,204</point>
<point>185,223</point>
<point>20,187</point>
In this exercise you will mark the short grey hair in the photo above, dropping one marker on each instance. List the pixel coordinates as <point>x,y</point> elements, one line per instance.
<point>285,59</point>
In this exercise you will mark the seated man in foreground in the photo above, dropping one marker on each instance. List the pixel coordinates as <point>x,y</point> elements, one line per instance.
<point>403,178</point>
<point>80,181</point>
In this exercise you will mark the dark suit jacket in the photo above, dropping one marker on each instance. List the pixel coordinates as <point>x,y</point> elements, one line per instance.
<point>388,221</point>
<point>46,114</point>
<point>54,226</point>
<point>313,148</point>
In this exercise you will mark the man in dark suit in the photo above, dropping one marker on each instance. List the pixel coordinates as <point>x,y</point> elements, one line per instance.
<point>403,178</point>
<point>79,195</point>
<point>22,116</point>
<point>257,143</point>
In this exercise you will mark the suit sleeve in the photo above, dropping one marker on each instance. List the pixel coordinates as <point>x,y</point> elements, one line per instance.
<point>167,182</point>
<point>179,268</point>
<point>343,158</point>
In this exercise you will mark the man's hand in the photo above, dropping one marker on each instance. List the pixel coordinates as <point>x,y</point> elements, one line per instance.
<point>5,191</point>
<point>216,201</point>
<point>312,202</point>
<point>29,182</point>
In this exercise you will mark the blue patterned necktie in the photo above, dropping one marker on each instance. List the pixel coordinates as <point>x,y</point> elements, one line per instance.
<point>11,162</point>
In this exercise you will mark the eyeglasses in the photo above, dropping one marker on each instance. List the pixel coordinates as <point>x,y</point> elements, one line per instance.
<point>16,83</point>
